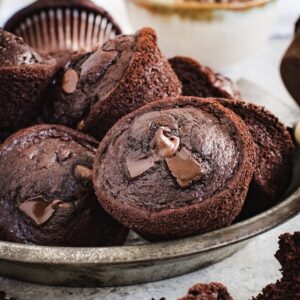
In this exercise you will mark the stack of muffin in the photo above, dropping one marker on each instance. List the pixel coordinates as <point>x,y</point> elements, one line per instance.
<point>120,138</point>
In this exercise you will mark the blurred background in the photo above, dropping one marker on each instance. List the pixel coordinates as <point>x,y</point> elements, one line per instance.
<point>288,12</point>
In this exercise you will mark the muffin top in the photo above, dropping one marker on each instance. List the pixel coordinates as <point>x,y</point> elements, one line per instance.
<point>90,78</point>
<point>15,52</point>
<point>45,180</point>
<point>201,81</point>
<point>169,155</point>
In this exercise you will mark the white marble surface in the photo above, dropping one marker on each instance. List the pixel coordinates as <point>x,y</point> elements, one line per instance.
<point>246,272</point>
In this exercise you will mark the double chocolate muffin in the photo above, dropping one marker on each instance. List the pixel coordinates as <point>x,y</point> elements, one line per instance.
<point>275,151</point>
<point>211,291</point>
<point>24,75</point>
<point>288,255</point>
<point>46,192</point>
<point>175,167</point>
<point>201,81</point>
<point>290,66</point>
<point>96,89</point>
<point>274,145</point>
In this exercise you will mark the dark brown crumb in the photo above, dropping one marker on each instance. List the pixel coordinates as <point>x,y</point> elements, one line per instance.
<point>211,291</point>
<point>288,288</point>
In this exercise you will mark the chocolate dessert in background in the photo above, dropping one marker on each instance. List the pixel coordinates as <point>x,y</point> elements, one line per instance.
<point>211,291</point>
<point>290,66</point>
<point>96,89</point>
<point>201,81</point>
<point>24,76</point>
<point>46,192</point>
<point>175,168</point>
<point>64,26</point>
<point>275,153</point>
<point>288,287</point>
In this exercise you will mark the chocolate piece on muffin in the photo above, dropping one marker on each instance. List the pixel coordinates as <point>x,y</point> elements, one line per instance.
<point>288,255</point>
<point>24,75</point>
<point>201,81</point>
<point>46,192</point>
<point>96,89</point>
<point>275,151</point>
<point>175,167</point>
<point>290,66</point>
<point>211,291</point>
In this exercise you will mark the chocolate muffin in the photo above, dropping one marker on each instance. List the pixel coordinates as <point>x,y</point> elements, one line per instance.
<point>201,81</point>
<point>290,66</point>
<point>61,27</point>
<point>175,167</point>
<point>24,75</point>
<point>275,151</point>
<point>46,193</point>
<point>95,90</point>
<point>211,291</point>
<point>288,255</point>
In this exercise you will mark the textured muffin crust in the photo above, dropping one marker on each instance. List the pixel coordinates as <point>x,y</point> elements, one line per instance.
<point>98,88</point>
<point>275,151</point>
<point>46,194</point>
<point>24,75</point>
<point>154,203</point>
<point>201,81</point>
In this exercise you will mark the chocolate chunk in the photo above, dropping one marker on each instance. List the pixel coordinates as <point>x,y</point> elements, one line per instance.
<point>138,167</point>
<point>39,210</point>
<point>80,125</point>
<point>184,167</point>
<point>70,81</point>
<point>82,172</point>
<point>167,146</point>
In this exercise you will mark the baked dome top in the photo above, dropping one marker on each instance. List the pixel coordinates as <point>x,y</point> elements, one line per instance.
<point>170,156</point>
<point>15,52</point>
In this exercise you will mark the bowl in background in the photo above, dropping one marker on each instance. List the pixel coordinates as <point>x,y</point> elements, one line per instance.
<point>216,34</point>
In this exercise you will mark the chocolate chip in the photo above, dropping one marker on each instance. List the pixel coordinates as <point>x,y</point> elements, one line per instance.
<point>82,172</point>
<point>70,80</point>
<point>167,146</point>
<point>80,125</point>
<point>138,167</point>
<point>39,210</point>
<point>184,168</point>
